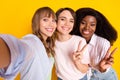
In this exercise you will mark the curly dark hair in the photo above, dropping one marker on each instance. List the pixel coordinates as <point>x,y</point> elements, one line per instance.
<point>103,27</point>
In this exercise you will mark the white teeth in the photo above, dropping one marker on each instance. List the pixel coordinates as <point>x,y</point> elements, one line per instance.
<point>49,29</point>
<point>65,28</point>
<point>86,32</point>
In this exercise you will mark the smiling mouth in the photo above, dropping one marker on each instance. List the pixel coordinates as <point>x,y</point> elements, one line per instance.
<point>50,29</point>
<point>86,32</point>
<point>65,28</point>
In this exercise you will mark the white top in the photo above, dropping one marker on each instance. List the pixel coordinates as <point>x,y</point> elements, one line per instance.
<point>65,67</point>
<point>29,57</point>
<point>97,47</point>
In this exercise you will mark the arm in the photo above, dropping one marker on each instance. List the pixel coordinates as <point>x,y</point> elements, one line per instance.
<point>4,54</point>
<point>77,59</point>
<point>12,56</point>
<point>104,69</point>
<point>107,61</point>
<point>81,67</point>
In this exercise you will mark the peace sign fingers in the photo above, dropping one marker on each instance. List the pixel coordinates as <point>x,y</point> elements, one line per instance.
<point>110,54</point>
<point>79,48</point>
<point>113,51</point>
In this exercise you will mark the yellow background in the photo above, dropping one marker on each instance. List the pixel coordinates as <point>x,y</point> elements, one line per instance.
<point>15,16</point>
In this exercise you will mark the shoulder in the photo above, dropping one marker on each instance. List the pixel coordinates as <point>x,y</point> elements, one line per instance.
<point>102,41</point>
<point>31,38</point>
<point>78,38</point>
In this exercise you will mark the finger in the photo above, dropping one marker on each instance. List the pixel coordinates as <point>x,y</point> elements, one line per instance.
<point>113,51</point>
<point>79,58</point>
<point>77,55</point>
<point>79,47</point>
<point>110,62</point>
<point>111,59</point>
<point>83,49</point>
<point>108,53</point>
<point>74,57</point>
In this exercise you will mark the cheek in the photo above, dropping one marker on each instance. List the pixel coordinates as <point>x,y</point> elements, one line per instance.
<point>72,25</point>
<point>58,28</point>
<point>80,29</point>
<point>55,25</point>
<point>58,24</point>
<point>42,24</point>
<point>94,29</point>
<point>41,29</point>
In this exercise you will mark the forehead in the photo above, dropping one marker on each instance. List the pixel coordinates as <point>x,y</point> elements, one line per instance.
<point>47,14</point>
<point>90,18</point>
<point>65,12</point>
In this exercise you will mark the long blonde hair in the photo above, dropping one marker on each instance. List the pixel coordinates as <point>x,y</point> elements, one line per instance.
<point>40,13</point>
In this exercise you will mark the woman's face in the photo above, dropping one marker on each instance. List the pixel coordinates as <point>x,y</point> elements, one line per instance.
<point>88,27</point>
<point>47,27</point>
<point>65,22</point>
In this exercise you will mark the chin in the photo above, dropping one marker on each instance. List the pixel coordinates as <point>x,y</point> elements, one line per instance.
<point>49,35</point>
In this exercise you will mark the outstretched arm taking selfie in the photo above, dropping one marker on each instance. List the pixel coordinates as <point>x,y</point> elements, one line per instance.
<point>4,54</point>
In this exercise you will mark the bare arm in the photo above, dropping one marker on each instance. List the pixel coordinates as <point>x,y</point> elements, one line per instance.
<point>77,57</point>
<point>82,67</point>
<point>4,54</point>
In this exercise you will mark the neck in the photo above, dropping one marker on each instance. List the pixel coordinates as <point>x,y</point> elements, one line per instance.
<point>63,37</point>
<point>87,40</point>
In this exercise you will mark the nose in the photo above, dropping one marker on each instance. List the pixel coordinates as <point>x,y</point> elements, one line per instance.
<point>52,24</point>
<point>67,23</point>
<point>87,26</point>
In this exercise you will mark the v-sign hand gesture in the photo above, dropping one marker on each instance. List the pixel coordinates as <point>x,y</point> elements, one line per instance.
<point>107,61</point>
<point>77,57</point>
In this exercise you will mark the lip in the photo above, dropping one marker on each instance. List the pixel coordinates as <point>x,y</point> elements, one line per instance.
<point>50,29</point>
<point>65,28</point>
<point>85,32</point>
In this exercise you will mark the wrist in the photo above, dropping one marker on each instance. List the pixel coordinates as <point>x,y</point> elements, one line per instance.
<point>102,70</point>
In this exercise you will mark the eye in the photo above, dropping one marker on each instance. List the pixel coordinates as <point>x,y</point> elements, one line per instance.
<point>45,19</point>
<point>72,21</point>
<point>82,22</point>
<point>93,24</point>
<point>62,19</point>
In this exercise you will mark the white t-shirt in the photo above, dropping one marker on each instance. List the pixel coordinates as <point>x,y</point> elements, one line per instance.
<point>65,67</point>
<point>29,57</point>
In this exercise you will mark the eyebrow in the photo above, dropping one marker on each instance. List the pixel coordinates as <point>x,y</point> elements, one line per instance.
<point>65,17</point>
<point>62,17</point>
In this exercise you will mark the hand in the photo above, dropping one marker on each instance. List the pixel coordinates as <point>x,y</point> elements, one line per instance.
<point>77,57</point>
<point>107,61</point>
